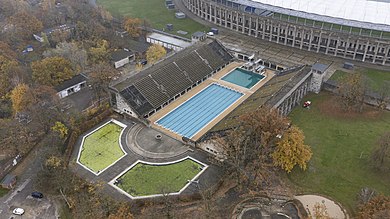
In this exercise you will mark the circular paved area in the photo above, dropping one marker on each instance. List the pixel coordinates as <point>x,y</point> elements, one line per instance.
<point>334,209</point>
<point>142,141</point>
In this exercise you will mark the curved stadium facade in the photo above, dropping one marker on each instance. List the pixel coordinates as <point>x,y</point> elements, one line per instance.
<point>353,29</point>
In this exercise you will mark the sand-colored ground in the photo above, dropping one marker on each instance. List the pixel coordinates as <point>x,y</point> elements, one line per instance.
<point>216,78</point>
<point>334,209</point>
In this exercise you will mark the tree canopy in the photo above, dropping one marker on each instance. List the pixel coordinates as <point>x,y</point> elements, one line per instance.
<point>291,150</point>
<point>352,91</point>
<point>71,51</point>
<point>377,208</point>
<point>52,71</point>
<point>20,97</point>
<point>25,24</point>
<point>133,26</point>
<point>99,53</point>
<point>155,53</point>
<point>247,147</point>
<point>7,71</point>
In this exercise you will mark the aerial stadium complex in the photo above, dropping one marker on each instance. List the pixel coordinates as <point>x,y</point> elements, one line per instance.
<point>352,29</point>
<point>203,89</point>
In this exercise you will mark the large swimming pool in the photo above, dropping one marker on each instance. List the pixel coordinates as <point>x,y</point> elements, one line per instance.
<point>191,116</point>
<point>243,78</point>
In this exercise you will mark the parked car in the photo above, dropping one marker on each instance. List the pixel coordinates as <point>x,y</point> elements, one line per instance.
<point>143,62</point>
<point>18,211</point>
<point>37,195</point>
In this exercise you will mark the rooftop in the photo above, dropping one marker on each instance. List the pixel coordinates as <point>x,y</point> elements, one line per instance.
<point>120,54</point>
<point>198,34</point>
<point>370,14</point>
<point>68,83</point>
<point>320,67</point>
<point>170,40</point>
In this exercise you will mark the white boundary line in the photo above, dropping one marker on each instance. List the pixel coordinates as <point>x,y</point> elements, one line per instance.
<point>111,183</point>
<point>120,145</point>
<point>214,83</point>
<point>264,76</point>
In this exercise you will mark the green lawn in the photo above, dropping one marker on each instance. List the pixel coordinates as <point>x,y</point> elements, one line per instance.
<point>145,179</point>
<point>3,191</point>
<point>341,148</point>
<point>154,11</point>
<point>375,77</point>
<point>101,148</point>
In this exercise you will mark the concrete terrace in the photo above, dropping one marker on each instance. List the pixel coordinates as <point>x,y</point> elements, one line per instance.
<point>141,134</point>
<point>216,78</point>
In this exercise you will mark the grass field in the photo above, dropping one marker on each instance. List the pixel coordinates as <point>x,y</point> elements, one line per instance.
<point>101,148</point>
<point>154,11</point>
<point>145,179</point>
<point>3,192</point>
<point>341,147</point>
<point>375,77</point>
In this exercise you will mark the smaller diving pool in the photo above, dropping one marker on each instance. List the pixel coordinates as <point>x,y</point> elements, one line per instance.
<point>243,78</point>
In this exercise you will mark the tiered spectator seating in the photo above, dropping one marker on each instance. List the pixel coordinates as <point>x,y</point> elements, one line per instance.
<point>172,79</point>
<point>194,66</point>
<point>151,91</point>
<point>160,83</point>
<point>207,52</point>
<point>132,95</point>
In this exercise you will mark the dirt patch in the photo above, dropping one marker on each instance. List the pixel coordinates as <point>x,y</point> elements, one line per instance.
<point>330,107</point>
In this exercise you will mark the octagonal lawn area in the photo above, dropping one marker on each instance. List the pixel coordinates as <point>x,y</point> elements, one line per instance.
<point>146,179</point>
<point>101,147</point>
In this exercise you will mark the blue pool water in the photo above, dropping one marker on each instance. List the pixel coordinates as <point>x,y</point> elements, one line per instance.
<point>243,78</point>
<point>195,113</point>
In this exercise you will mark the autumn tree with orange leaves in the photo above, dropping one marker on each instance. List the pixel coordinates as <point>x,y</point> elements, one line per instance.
<point>291,150</point>
<point>133,26</point>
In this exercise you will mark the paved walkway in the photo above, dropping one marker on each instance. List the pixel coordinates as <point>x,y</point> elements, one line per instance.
<point>142,141</point>
<point>208,178</point>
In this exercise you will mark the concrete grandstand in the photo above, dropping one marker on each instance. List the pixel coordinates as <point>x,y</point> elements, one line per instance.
<point>170,84</point>
<point>352,29</point>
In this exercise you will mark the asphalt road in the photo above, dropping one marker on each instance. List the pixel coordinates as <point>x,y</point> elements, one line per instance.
<point>20,197</point>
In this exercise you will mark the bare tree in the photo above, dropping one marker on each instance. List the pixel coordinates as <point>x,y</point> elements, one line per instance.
<point>101,76</point>
<point>380,157</point>
<point>353,90</point>
<point>384,95</point>
<point>168,203</point>
<point>248,147</point>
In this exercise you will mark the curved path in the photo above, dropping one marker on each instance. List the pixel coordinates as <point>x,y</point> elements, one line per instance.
<point>141,140</point>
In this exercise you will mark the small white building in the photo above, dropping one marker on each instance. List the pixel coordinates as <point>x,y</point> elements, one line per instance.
<point>121,57</point>
<point>175,43</point>
<point>48,32</point>
<point>71,86</point>
<point>180,15</point>
<point>198,36</point>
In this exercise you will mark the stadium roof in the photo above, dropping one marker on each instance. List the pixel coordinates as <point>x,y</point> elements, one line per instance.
<point>370,14</point>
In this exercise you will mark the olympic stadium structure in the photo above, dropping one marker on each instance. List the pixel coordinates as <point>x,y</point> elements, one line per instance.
<point>352,29</point>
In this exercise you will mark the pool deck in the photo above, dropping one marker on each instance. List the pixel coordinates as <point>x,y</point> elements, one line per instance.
<point>216,78</point>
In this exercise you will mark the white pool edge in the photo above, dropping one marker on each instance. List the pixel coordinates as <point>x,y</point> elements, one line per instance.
<point>264,76</point>
<point>214,83</point>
